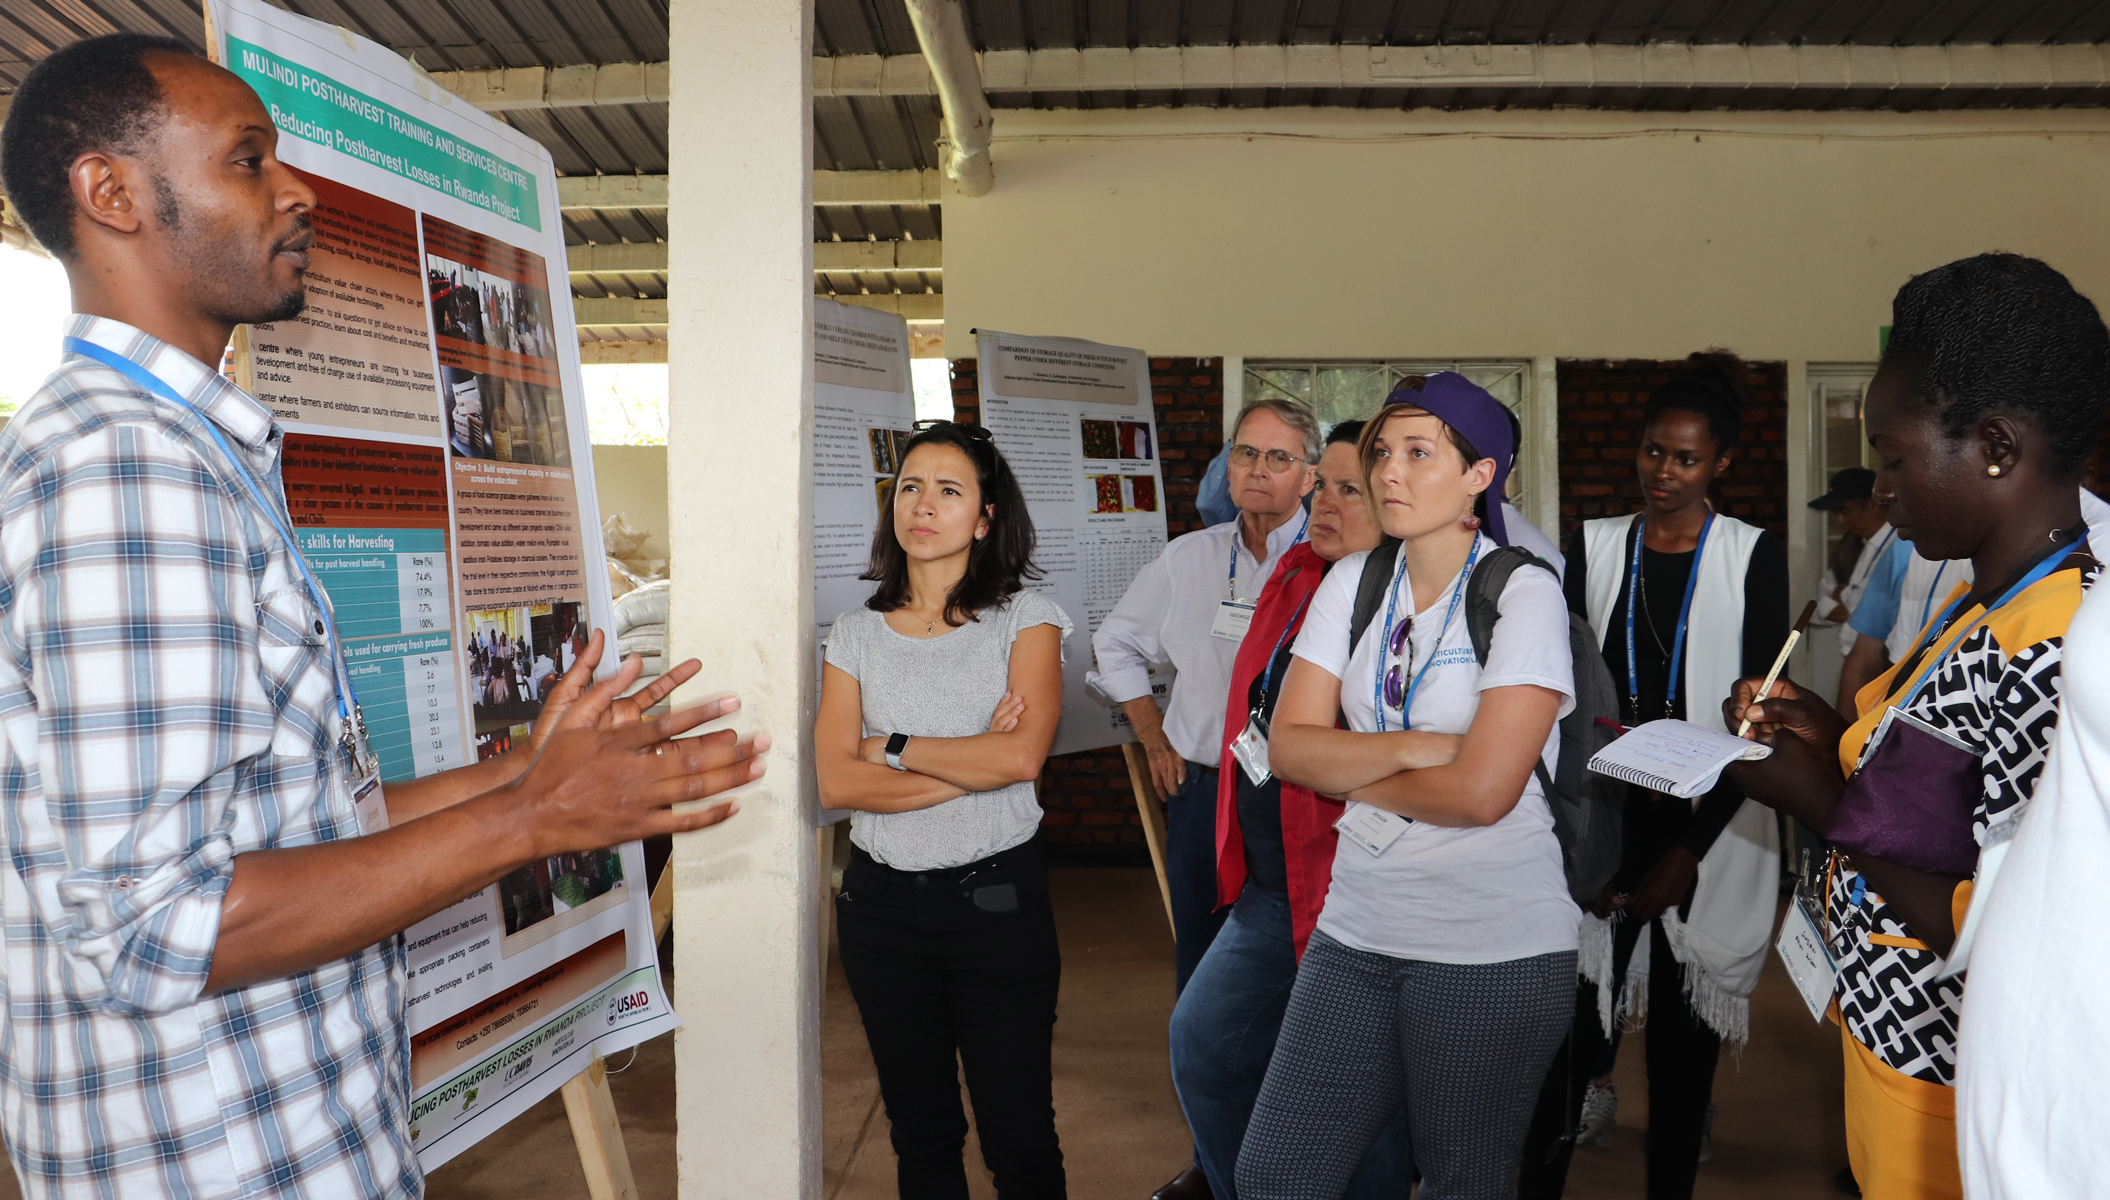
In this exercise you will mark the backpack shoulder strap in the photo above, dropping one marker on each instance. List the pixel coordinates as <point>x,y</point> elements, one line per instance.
<point>1483,607</point>
<point>1483,593</point>
<point>1370,589</point>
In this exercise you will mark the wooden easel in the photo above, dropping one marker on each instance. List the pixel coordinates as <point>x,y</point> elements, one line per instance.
<point>1153,810</point>
<point>591,1106</point>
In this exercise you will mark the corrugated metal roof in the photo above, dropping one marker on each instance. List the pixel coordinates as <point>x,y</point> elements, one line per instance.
<point>882,27</point>
<point>897,132</point>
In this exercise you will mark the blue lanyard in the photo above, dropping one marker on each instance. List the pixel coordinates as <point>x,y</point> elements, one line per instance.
<point>2035,576</point>
<point>1267,681</point>
<point>1238,536</point>
<point>1633,593</point>
<point>1933,590</point>
<point>1377,688</point>
<point>155,384</point>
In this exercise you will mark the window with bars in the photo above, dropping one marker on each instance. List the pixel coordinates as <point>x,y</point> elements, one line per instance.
<point>1337,391</point>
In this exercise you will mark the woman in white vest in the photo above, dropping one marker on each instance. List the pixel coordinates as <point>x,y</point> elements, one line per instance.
<point>1684,599</point>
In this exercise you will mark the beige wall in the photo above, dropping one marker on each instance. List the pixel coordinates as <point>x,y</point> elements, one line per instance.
<point>633,480</point>
<point>1301,232</point>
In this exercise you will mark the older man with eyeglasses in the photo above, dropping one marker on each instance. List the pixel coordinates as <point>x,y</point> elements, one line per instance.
<point>1190,608</point>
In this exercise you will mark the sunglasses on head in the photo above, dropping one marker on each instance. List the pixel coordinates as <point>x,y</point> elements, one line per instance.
<point>973,433</point>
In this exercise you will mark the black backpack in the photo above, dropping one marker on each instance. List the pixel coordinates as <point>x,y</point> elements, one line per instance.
<point>1588,809</point>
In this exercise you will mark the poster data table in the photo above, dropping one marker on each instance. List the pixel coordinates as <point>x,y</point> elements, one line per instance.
<point>389,587</point>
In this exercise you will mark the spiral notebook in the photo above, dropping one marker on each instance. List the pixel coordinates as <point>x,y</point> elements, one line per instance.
<point>1678,757</point>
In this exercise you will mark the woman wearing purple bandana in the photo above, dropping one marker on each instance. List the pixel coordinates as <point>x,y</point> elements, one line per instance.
<point>1441,976</point>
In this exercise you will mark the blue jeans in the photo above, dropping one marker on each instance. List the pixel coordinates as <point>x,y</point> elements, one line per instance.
<point>1223,1034</point>
<point>1190,870</point>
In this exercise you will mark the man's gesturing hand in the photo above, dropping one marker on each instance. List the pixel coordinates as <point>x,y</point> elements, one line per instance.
<point>594,787</point>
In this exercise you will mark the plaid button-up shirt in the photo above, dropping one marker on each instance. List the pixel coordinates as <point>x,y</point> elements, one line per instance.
<point>169,702</point>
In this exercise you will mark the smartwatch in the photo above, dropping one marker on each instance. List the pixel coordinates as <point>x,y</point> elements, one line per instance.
<point>894,746</point>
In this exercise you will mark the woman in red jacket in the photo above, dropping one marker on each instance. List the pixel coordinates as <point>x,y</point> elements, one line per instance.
<point>1274,854</point>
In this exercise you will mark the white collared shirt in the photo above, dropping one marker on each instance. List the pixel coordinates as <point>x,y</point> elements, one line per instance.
<point>1166,615</point>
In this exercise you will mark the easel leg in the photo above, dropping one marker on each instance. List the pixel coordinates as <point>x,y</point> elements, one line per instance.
<point>591,1107</point>
<point>1153,810</point>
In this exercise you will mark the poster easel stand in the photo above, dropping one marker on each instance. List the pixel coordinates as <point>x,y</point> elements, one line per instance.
<point>1153,810</point>
<point>591,1106</point>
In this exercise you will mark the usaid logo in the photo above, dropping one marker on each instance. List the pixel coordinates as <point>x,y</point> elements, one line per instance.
<point>623,1006</point>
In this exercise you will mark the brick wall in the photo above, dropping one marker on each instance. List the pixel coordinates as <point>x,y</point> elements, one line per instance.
<point>1091,810</point>
<point>1601,402</point>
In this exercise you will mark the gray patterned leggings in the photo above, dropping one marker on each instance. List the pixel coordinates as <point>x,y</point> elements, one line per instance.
<point>1465,1048</point>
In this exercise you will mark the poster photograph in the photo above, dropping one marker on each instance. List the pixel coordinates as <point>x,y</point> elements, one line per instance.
<point>438,474</point>
<point>1074,418</point>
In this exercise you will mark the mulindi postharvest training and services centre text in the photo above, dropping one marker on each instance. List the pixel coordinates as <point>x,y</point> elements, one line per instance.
<point>315,108</point>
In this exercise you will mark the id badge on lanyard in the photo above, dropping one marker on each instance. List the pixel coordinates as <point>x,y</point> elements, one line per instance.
<point>362,773</point>
<point>1233,618</point>
<point>1804,946</point>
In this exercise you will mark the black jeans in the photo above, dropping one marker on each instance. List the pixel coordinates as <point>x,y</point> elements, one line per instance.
<point>959,962</point>
<point>1682,1053</point>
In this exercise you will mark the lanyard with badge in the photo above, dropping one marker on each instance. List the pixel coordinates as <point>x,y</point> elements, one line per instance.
<point>1368,826</point>
<point>362,769</point>
<point>1633,601</point>
<point>1235,616</point>
<point>1250,746</point>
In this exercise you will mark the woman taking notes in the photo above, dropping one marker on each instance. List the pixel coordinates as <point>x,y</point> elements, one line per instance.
<point>1684,600</point>
<point>1986,404</point>
<point>1442,972</point>
<point>939,700</point>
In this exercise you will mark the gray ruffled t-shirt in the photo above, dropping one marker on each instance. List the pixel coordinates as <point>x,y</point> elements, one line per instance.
<point>945,686</point>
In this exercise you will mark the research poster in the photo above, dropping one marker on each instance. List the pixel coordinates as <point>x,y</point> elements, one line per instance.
<point>1075,420</point>
<point>864,411</point>
<point>439,476</point>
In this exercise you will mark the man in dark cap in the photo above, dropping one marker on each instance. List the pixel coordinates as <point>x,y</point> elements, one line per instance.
<point>195,1005</point>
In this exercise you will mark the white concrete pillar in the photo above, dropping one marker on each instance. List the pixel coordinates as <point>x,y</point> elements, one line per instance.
<point>740,358</point>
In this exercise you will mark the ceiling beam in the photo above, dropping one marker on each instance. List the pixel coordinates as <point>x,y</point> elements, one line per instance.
<point>621,311</point>
<point>1662,64</point>
<point>614,353</point>
<point>930,306</point>
<point>617,258</point>
<point>600,312</point>
<point>650,258</point>
<point>836,189</point>
<point>831,189</point>
<point>513,89</point>
<point>879,256</point>
<point>612,191</point>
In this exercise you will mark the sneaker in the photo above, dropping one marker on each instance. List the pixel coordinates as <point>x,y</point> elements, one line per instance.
<point>1600,1117</point>
<point>1707,1134</point>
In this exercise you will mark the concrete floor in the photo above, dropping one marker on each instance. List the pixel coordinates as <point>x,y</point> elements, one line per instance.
<point>1778,1135</point>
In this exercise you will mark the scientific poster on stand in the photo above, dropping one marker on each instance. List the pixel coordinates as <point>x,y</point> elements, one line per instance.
<point>438,472</point>
<point>1076,421</point>
<point>864,409</point>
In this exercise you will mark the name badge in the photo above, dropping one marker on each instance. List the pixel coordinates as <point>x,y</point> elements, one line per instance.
<point>362,774</point>
<point>1371,827</point>
<point>1233,617</point>
<point>1250,749</point>
<point>1808,960</point>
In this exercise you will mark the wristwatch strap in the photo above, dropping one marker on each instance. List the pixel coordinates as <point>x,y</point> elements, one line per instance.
<point>895,744</point>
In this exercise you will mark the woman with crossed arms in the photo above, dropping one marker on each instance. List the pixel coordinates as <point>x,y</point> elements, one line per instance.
<point>1441,974</point>
<point>939,700</point>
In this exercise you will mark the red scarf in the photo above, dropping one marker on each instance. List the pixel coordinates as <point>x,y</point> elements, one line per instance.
<point>1307,819</point>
